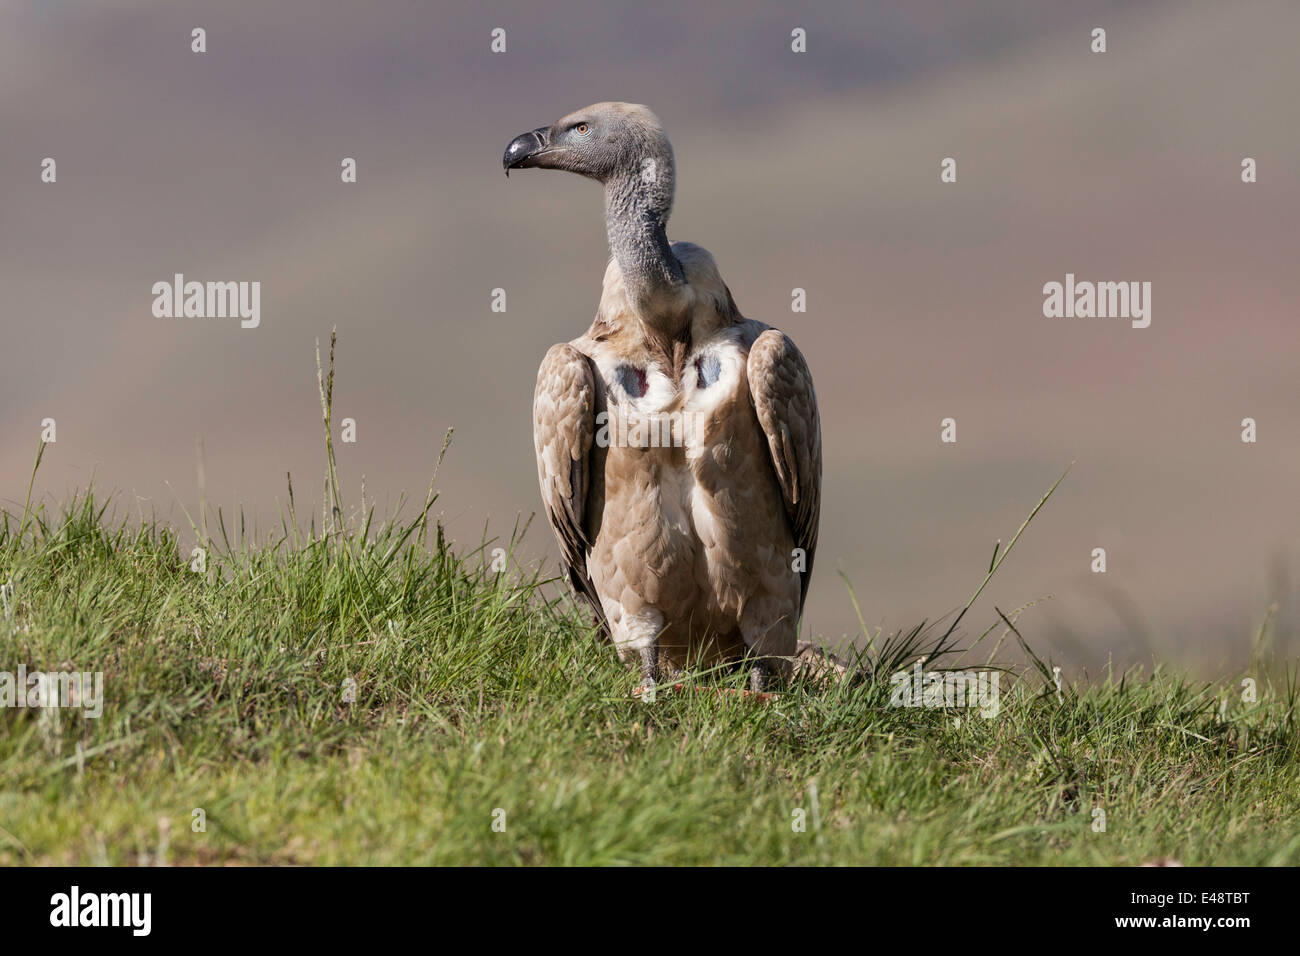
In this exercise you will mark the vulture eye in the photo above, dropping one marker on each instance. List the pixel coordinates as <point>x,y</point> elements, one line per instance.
<point>581,129</point>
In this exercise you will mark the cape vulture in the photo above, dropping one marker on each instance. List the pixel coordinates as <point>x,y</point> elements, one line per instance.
<point>678,442</point>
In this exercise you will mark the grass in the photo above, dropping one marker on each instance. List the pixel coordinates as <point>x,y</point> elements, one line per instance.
<point>483,697</point>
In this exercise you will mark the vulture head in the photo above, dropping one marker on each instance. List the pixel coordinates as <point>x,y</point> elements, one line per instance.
<point>606,142</point>
<point>624,147</point>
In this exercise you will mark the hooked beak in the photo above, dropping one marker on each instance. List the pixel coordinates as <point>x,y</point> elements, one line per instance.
<point>524,149</point>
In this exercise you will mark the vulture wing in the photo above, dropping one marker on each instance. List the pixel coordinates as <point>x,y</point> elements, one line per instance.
<point>786,404</point>
<point>564,424</point>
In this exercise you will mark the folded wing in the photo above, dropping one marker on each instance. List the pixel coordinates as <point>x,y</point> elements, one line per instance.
<point>564,424</point>
<point>786,404</point>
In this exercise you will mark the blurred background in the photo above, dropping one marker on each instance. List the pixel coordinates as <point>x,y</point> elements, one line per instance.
<point>817,170</point>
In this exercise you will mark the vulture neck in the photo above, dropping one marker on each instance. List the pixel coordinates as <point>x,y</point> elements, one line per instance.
<point>636,214</point>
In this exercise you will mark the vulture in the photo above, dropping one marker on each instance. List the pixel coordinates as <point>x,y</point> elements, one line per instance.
<point>678,443</point>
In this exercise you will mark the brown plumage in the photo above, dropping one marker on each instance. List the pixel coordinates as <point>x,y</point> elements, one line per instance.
<point>678,443</point>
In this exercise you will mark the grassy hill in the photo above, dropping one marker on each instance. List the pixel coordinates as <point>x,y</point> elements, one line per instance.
<point>482,698</point>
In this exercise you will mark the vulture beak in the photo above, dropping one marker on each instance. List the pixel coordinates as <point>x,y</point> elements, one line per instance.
<point>524,149</point>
